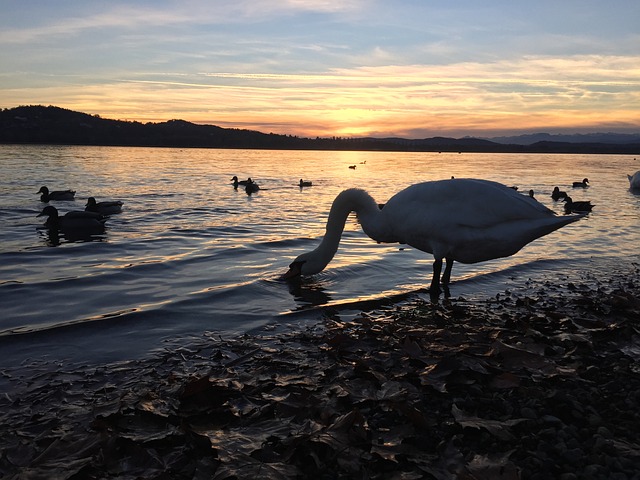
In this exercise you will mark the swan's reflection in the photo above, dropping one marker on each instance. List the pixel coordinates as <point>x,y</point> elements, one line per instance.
<point>308,293</point>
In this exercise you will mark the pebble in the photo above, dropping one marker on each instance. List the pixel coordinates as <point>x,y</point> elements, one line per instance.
<point>605,432</point>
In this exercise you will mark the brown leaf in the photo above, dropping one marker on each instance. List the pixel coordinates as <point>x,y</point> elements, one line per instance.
<point>411,348</point>
<point>505,380</point>
<point>494,427</point>
<point>520,357</point>
<point>490,467</point>
<point>347,420</point>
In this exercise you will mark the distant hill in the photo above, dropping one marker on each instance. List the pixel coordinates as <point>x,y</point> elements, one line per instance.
<point>530,139</point>
<point>54,125</point>
<point>59,126</point>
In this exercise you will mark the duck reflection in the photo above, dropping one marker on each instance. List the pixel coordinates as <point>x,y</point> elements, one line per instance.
<point>53,237</point>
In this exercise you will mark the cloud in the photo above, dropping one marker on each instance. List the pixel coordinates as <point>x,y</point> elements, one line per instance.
<point>530,93</point>
<point>322,67</point>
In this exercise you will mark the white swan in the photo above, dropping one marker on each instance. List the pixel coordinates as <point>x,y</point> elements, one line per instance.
<point>634,181</point>
<point>462,220</point>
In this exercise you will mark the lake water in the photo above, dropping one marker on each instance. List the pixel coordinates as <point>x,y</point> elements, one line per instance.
<point>190,255</point>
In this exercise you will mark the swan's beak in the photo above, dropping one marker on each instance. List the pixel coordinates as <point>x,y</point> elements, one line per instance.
<point>295,269</point>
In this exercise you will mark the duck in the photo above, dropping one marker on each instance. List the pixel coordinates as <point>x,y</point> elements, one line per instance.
<point>581,206</point>
<point>634,181</point>
<point>56,194</point>
<point>437,217</point>
<point>74,221</point>
<point>251,187</point>
<point>237,182</point>
<point>532,193</point>
<point>352,167</point>
<point>583,184</point>
<point>557,194</point>
<point>104,208</point>
<point>305,183</point>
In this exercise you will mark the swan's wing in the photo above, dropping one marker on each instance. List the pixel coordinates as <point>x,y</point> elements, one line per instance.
<point>468,220</point>
<point>473,203</point>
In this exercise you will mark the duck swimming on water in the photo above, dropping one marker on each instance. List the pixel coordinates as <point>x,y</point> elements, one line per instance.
<point>56,194</point>
<point>438,217</point>
<point>237,182</point>
<point>581,206</point>
<point>557,194</point>
<point>75,221</point>
<point>583,184</point>
<point>104,208</point>
<point>251,187</point>
<point>305,183</point>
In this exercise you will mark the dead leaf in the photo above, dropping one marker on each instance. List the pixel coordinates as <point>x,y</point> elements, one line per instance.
<point>497,428</point>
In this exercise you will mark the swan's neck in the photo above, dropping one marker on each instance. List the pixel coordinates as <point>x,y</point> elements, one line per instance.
<point>369,215</point>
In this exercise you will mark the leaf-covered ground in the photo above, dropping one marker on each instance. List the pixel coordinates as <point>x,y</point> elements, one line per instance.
<point>539,383</point>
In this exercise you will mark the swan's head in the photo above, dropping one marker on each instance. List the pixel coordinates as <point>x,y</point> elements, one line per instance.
<point>306,264</point>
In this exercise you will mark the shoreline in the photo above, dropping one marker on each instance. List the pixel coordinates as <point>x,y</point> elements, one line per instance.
<point>540,381</point>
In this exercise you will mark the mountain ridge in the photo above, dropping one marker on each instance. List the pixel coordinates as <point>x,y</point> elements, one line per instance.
<point>596,137</point>
<point>37,124</point>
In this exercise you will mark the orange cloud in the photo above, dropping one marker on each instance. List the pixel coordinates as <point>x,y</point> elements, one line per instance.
<point>584,92</point>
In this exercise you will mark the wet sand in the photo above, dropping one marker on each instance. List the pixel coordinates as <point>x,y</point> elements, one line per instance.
<point>541,381</point>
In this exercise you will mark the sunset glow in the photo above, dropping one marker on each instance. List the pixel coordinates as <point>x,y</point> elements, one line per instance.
<point>310,68</point>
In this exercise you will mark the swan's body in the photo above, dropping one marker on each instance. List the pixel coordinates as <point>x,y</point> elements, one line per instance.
<point>74,222</point>
<point>103,208</point>
<point>557,194</point>
<point>237,182</point>
<point>634,181</point>
<point>462,220</point>
<point>583,184</point>
<point>581,206</point>
<point>56,194</point>
<point>305,183</point>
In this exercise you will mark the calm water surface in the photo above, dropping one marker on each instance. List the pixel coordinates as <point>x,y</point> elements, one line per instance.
<point>189,254</point>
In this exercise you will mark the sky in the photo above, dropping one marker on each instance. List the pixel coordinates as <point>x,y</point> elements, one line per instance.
<point>347,68</point>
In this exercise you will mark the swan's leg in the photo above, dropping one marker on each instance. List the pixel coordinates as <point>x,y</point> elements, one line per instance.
<point>435,280</point>
<point>446,276</point>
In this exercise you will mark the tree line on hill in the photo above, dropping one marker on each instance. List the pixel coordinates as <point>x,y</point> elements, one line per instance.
<point>58,126</point>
